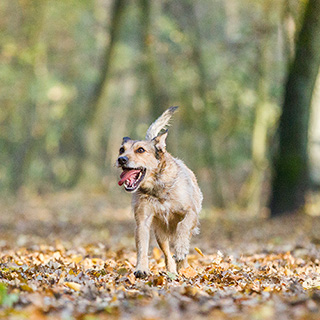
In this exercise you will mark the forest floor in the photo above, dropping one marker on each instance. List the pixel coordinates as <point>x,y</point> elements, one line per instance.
<point>72,256</point>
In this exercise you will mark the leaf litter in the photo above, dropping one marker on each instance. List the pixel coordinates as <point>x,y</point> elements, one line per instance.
<point>238,269</point>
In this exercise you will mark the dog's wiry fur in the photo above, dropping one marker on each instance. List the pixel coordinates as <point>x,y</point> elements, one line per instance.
<point>160,123</point>
<point>166,196</point>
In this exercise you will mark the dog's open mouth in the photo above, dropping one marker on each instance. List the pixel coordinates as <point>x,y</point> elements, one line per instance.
<point>131,178</point>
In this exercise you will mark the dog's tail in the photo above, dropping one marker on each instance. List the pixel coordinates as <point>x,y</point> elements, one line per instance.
<point>160,123</point>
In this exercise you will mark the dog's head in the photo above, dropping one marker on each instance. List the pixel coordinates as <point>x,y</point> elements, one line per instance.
<point>139,159</point>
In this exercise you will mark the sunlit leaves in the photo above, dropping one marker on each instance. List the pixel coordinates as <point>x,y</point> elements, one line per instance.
<point>54,280</point>
<point>72,256</point>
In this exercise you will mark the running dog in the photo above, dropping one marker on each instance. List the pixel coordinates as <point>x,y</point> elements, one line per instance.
<point>166,196</point>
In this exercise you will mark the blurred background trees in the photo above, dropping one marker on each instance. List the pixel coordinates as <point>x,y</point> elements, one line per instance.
<point>291,180</point>
<point>76,76</point>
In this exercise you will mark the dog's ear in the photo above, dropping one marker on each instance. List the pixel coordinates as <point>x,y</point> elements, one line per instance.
<point>160,141</point>
<point>125,139</point>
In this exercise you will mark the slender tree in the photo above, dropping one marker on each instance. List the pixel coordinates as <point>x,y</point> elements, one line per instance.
<point>291,175</point>
<point>74,136</point>
<point>189,24</point>
<point>158,95</point>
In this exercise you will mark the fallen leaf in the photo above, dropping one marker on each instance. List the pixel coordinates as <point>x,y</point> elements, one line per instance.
<point>190,291</point>
<point>156,253</point>
<point>131,277</point>
<point>172,276</point>
<point>62,277</point>
<point>25,287</point>
<point>77,258</point>
<point>158,281</point>
<point>188,272</point>
<point>73,285</point>
<point>199,251</point>
<point>122,271</point>
<point>311,283</point>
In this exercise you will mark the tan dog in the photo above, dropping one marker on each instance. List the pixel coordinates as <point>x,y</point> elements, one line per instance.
<point>166,196</point>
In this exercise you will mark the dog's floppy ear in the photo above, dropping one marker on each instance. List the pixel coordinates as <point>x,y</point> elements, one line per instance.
<point>160,141</point>
<point>125,139</point>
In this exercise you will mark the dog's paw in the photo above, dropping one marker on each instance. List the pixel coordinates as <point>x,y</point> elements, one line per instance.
<point>181,261</point>
<point>141,274</point>
<point>179,257</point>
<point>172,268</point>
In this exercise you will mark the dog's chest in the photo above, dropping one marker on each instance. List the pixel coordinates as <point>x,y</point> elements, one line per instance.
<point>161,207</point>
<point>160,200</point>
<point>165,210</point>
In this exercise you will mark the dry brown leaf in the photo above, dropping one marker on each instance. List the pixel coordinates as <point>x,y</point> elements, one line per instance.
<point>158,281</point>
<point>311,283</point>
<point>25,287</point>
<point>131,278</point>
<point>199,251</point>
<point>188,272</point>
<point>156,253</point>
<point>62,277</point>
<point>190,291</point>
<point>247,284</point>
<point>73,285</point>
<point>77,258</point>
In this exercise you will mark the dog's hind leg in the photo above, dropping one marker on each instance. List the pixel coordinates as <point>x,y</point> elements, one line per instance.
<point>182,238</point>
<point>163,242</point>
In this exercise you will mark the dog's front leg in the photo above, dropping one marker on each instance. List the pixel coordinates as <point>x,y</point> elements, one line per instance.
<point>144,221</point>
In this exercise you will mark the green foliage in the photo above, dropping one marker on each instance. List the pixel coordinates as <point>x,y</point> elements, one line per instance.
<point>7,300</point>
<point>205,57</point>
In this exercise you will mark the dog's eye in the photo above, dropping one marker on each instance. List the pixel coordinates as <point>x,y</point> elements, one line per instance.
<point>140,150</point>
<point>121,151</point>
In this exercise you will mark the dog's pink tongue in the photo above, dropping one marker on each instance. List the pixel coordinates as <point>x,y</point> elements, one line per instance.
<point>126,174</point>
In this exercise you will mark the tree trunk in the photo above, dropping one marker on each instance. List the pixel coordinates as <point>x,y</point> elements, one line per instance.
<point>210,147</point>
<point>158,96</point>
<point>314,150</point>
<point>251,193</point>
<point>291,175</point>
<point>74,136</point>
<point>93,105</point>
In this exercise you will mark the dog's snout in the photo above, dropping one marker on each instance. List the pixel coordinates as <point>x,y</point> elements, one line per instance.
<point>123,160</point>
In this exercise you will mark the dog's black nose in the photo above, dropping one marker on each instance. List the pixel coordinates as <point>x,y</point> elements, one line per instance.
<point>123,160</point>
